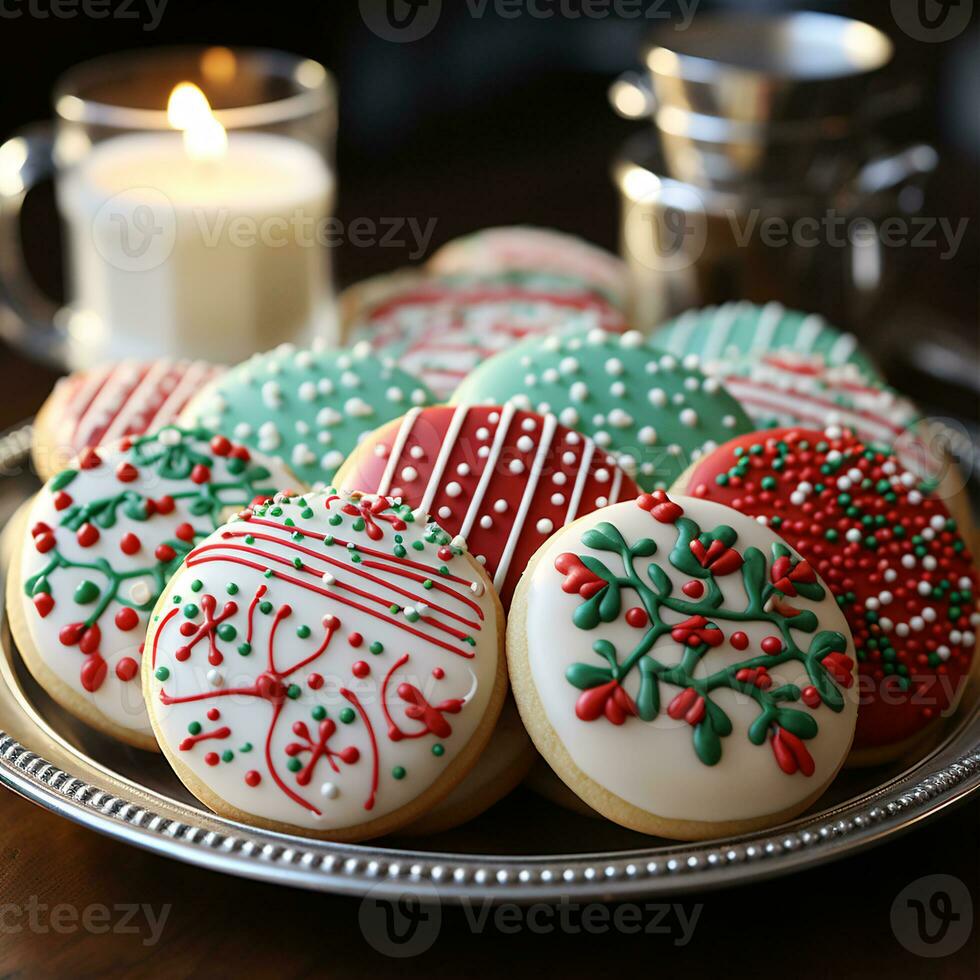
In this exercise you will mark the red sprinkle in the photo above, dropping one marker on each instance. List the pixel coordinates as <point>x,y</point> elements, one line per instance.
<point>211,759</point>
<point>360,669</point>
<point>126,472</point>
<point>185,532</point>
<point>739,640</point>
<point>253,778</point>
<point>772,645</point>
<point>130,543</point>
<point>200,473</point>
<point>127,619</point>
<point>89,459</point>
<point>127,669</point>
<point>694,589</point>
<point>636,617</point>
<point>355,639</point>
<point>164,552</point>
<point>315,681</point>
<point>87,535</point>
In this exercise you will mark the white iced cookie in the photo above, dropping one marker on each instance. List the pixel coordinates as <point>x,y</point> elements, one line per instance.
<point>682,669</point>
<point>100,540</point>
<point>326,665</point>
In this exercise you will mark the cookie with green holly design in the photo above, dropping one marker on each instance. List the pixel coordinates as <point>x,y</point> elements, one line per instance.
<point>682,668</point>
<point>308,408</point>
<point>326,664</point>
<point>653,411</point>
<point>98,544</point>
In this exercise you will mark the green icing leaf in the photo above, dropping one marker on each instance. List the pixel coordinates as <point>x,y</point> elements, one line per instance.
<point>754,575</point>
<point>811,590</point>
<point>707,744</point>
<point>63,479</point>
<point>680,556</point>
<point>648,697</point>
<point>720,721</point>
<point>798,722</point>
<point>760,727</point>
<point>585,676</point>
<point>805,621</point>
<point>661,581</point>
<point>604,537</point>
<point>607,651</point>
<point>644,548</point>
<point>609,603</point>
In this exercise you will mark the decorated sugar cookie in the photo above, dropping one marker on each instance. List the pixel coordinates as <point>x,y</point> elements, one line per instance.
<point>441,328</point>
<point>100,406</point>
<point>501,478</point>
<point>504,763</point>
<point>308,408</point>
<point>522,247</point>
<point>889,551</point>
<point>682,669</point>
<point>325,664</point>
<point>729,332</point>
<point>99,543</point>
<point>654,412</point>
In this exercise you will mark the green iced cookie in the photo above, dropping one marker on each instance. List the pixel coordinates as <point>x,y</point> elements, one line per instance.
<point>728,332</point>
<point>308,408</point>
<point>654,411</point>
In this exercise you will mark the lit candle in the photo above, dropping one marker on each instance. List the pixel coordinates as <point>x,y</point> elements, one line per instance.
<point>196,241</point>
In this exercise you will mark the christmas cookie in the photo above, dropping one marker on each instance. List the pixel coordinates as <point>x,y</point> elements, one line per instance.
<point>653,411</point>
<point>92,408</point>
<point>501,478</point>
<point>101,539</point>
<point>521,247</point>
<point>498,771</point>
<point>682,669</point>
<point>788,389</point>
<point>543,781</point>
<point>308,408</point>
<point>889,551</point>
<point>325,664</point>
<point>729,332</point>
<point>441,328</point>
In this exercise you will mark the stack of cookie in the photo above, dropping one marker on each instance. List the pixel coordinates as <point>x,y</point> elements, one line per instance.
<point>307,579</point>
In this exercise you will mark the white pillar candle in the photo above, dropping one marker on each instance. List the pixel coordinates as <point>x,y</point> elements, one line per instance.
<point>213,258</point>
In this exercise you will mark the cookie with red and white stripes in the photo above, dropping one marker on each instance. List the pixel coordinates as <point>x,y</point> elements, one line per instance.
<point>500,478</point>
<point>524,247</point>
<point>95,549</point>
<point>128,398</point>
<point>440,328</point>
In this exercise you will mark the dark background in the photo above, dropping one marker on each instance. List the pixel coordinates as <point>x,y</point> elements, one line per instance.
<point>485,121</point>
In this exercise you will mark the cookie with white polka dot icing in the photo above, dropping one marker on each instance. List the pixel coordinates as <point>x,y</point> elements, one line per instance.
<point>889,551</point>
<point>325,664</point>
<point>499,477</point>
<point>655,412</point>
<point>682,669</point>
<point>729,332</point>
<point>307,407</point>
<point>519,247</point>
<point>442,327</point>
<point>104,404</point>
<point>100,541</point>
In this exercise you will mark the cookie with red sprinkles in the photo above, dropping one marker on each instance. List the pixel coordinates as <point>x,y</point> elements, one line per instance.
<point>890,552</point>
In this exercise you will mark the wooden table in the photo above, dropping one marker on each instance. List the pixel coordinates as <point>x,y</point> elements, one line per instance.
<point>73,903</point>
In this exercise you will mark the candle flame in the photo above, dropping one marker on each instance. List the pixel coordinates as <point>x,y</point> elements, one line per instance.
<point>188,110</point>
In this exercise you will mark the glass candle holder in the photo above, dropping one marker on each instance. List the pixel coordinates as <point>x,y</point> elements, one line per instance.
<point>194,185</point>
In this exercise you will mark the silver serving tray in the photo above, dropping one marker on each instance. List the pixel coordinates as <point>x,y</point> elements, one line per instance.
<point>523,849</point>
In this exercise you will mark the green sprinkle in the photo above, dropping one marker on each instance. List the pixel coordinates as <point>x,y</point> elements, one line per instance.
<point>294,765</point>
<point>428,584</point>
<point>303,631</point>
<point>293,691</point>
<point>347,715</point>
<point>197,585</point>
<point>231,588</point>
<point>86,592</point>
<point>249,539</point>
<point>276,511</point>
<point>227,755</point>
<point>247,747</point>
<point>376,647</point>
<point>319,713</point>
<point>191,610</point>
<point>265,607</point>
<point>438,749</point>
<point>245,649</point>
<point>194,728</point>
<point>398,772</point>
<point>162,673</point>
<point>227,632</point>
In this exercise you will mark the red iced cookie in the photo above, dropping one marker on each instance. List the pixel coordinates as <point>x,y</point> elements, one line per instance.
<point>888,549</point>
<point>504,479</point>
